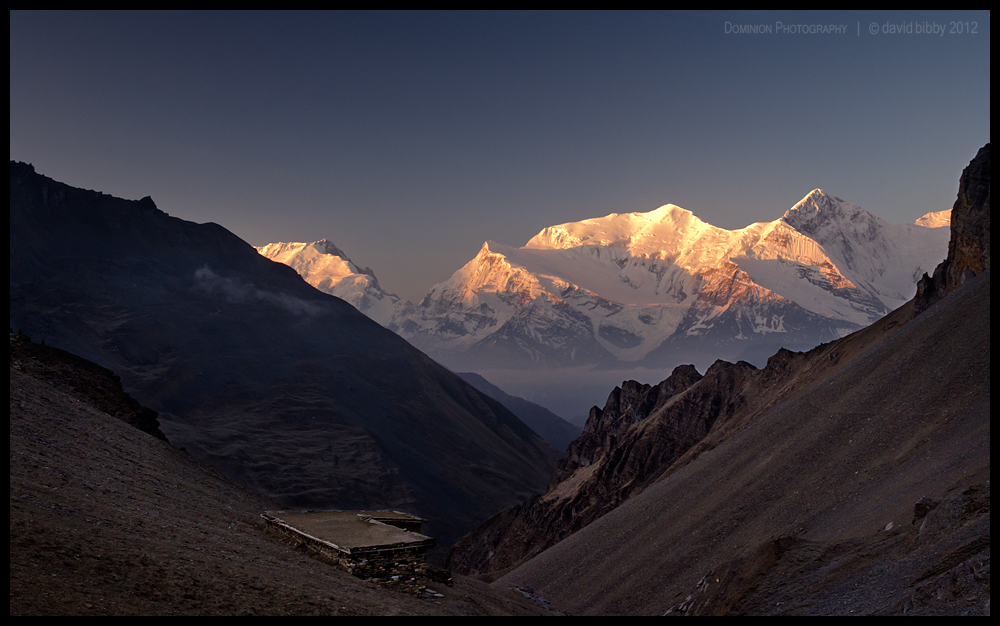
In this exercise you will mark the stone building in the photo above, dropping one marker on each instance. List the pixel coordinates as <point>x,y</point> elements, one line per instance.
<point>383,546</point>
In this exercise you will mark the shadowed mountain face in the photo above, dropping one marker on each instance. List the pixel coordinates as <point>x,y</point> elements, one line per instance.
<point>852,478</point>
<point>969,247</point>
<point>289,390</point>
<point>549,426</point>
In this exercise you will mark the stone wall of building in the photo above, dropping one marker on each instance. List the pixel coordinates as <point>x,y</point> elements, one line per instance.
<point>403,568</point>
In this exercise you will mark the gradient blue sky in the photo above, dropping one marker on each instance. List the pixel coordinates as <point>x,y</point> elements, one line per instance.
<point>410,138</point>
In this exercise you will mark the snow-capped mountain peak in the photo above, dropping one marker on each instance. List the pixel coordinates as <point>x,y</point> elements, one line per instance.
<point>822,216</point>
<point>311,260</point>
<point>490,271</point>
<point>639,287</point>
<point>662,232</point>
<point>630,285</point>
<point>884,259</point>
<point>935,219</point>
<point>327,268</point>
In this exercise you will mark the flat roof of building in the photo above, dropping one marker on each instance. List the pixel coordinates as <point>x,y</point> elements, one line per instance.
<point>352,531</point>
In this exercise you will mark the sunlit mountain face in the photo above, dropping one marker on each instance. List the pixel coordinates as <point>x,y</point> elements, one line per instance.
<point>327,268</point>
<point>652,289</point>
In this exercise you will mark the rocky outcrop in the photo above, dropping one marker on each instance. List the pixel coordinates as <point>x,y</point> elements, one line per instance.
<point>585,484</point>
<point>642,432</point>
<point>969,247</point>
<point>627,405</point>
<point>86,381</point>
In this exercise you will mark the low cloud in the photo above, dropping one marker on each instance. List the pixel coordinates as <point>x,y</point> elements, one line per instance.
<point>239,292</point>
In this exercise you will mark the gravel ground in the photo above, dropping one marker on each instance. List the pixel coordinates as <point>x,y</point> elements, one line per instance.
<point>106,519</point>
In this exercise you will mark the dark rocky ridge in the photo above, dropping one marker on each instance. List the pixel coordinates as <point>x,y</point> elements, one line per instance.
<point>289,390</point>
<point>86,381</point>
<point>527,529</point>
<point>969,247</point>
<point>643,434</point>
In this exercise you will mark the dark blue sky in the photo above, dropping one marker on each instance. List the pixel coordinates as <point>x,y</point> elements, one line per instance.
<point>410,138</point>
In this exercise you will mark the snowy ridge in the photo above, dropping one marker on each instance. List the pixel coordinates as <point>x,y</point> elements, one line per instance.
<point>325,266</point>
<point>631,287</point>
<point>935,219</point>
<point>885,260</point>
<point>640,287</point>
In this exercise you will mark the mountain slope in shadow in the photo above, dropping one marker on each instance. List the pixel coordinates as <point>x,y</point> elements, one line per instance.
<point>549,426</point>
<point>108,520</point>
<point>834,479</point>
<point>289,390</point>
